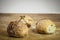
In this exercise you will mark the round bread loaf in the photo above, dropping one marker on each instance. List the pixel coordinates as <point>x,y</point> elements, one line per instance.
<point>17,29</point>
<point>27,20</point>
<point>45,26</point>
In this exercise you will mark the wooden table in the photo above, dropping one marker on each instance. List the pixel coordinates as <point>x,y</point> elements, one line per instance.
<point>6,18</point>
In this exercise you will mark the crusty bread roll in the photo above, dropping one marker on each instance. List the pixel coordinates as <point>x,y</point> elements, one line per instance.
<point>27,20</point>
<point>17,29</point>
<point>45,26</point>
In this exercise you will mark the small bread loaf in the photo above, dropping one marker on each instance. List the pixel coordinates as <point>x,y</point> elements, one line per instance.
<point>27,20</point>
<point>45,26</point>
<point>17,29</point>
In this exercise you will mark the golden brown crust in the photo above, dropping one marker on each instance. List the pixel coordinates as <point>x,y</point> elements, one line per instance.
<point>28,20</point>
<point>43,26</point>
<point>19,30</point>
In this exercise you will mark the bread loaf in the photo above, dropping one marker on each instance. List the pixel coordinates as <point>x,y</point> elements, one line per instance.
<point>17,29</point>
<point>28,20</point>
<point>45,26</point>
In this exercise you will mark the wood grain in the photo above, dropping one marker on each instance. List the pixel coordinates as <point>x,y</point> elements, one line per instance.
<point>6,18</point>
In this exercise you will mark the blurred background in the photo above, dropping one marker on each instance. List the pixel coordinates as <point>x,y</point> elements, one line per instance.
<point>29,6</point>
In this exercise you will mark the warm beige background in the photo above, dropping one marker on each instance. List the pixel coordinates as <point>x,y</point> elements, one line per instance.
<point>6,18</point>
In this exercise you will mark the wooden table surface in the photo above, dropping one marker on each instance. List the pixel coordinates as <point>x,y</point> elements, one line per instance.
<point>6,18</point>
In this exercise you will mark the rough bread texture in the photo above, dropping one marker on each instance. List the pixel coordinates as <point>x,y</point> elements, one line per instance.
<point>45,26</point>
<point>28,20</point>
<point>17,30</point>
